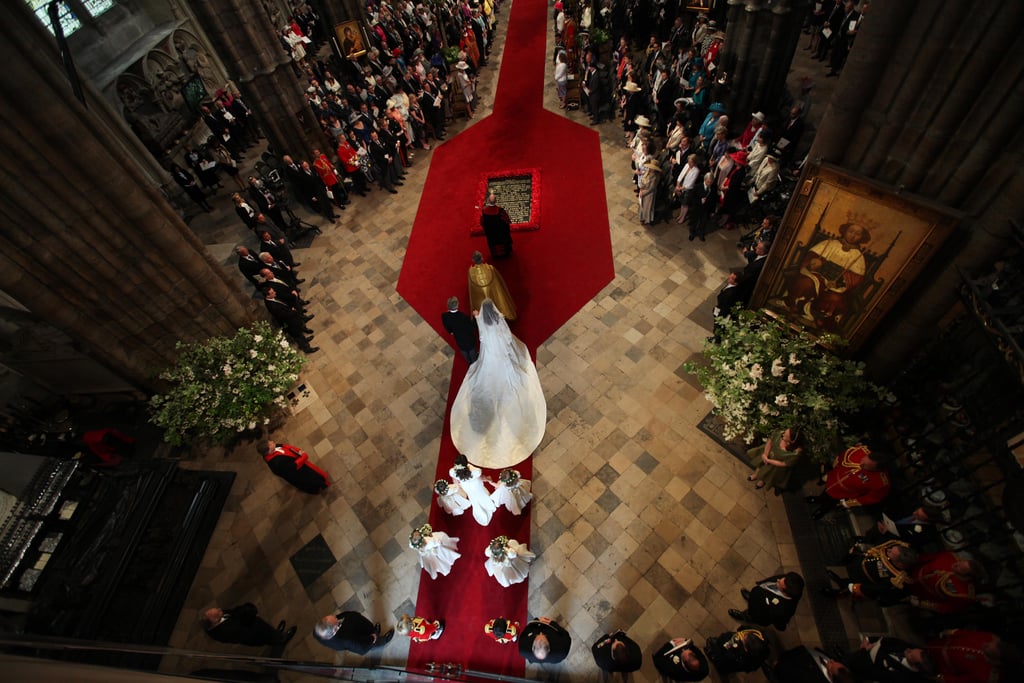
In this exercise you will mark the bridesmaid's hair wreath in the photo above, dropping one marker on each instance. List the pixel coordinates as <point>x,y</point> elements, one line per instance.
<point>497,548</point>
<point>418,537</point>
<point>510,478</point>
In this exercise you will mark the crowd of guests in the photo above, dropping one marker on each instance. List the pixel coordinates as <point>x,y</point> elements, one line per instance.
<point>390,97</point>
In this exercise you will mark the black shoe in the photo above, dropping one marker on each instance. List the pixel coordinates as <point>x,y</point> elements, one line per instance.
<point>288,635</point>
<point>310,349</point>
<point>296,264</point>
<point>831,74</point>
<point>299,281</point>
<point>691,237</point>
<point>838,580</point>
<point>307,330</point>
<point>384,639</point>
<point>399,183</point>
<point>811,500</point>
<point>831,592</point>
<point>393,191</point>
<point>819,513</point>
<point>702,238</point>
<point>307,318</point>
<point>738,615</point>
<point>745,593</point>
<point>280,625</point>
<point>308,338</point>
<point>376,629</point>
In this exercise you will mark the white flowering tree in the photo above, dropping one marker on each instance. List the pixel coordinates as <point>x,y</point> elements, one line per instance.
<point>764,377</point>
<point>226,385</point>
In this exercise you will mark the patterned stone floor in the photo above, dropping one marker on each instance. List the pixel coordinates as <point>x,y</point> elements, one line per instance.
<point>640,522</point>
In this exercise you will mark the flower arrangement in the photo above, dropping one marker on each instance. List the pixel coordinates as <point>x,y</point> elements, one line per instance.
<point>441,487</point>
<point>764,377</point>
<point>226,385</point>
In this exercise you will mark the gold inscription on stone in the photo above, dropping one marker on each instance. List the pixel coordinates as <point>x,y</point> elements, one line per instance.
<point>515,195</point>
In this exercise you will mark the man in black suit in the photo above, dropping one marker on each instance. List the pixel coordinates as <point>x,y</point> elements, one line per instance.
<point>277,247</point>
<point>281,270</point>
<point>727,298</point>
<point>241,626</point>
<point>249,265</point>
<point>544,642</point>
<point>351,631</point>
<point>772,602</point>
<point>745,649</point>
<point>805,665</point>
<point>267,203</point>
<point>614,652</point>
<point>382,166</point>
<point>284,292</point>
<point>680,660</point>
<point>891,660</point>
<point>463,328</point>
<point>290,318</point>
<point>752,272</point>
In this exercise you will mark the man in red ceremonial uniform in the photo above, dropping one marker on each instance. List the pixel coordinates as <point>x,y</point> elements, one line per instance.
<point>944,582</point>
<point>963,656</point>
<point>292,464</point>
<point>858,478</point>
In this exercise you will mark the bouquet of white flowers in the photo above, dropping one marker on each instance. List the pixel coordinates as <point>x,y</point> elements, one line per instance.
<point>226,385</point>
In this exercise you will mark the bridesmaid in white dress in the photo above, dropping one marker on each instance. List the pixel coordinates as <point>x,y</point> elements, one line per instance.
<point>508,560</point>
<point>512,491</point>
<point>437,550</point>
<point>470,478</point>
<point>450,497</point>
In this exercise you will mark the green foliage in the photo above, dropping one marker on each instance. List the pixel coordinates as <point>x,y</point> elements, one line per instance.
<point>226,385</point>
<point>599,36</point>
<point>451,54</point>
<point>763,377</point>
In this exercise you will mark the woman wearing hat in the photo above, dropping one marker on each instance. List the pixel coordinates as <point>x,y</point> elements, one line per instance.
<point>632,104</point>
<point>649,183</point>
<point>466,84</point>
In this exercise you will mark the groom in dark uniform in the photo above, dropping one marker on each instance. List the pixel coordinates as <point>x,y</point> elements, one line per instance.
<point>463,328</point>
<point>240,625</point>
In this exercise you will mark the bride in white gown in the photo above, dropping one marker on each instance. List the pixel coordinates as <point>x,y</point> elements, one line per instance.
<point>508,560</point>
<point>472,482</point>
<point>437,550</point>
<point>499,414</point>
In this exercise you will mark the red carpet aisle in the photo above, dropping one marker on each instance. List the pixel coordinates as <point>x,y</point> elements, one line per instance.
<point>552,273</point>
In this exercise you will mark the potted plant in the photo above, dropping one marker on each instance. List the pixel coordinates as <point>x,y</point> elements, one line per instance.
<point>226,385</point>
<point>763,377</point>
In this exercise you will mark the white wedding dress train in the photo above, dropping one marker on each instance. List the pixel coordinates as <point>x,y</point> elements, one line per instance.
<point>499,415</point>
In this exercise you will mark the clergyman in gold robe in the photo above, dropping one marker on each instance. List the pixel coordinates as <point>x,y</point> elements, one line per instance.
<point>485,282</point>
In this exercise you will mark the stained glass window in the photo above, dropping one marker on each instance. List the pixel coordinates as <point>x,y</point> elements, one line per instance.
<point>68,20</point>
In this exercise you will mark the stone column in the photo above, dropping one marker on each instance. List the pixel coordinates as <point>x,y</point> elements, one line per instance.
<point>248,44</point>
<point>760,42</point>
<point>90,244</point>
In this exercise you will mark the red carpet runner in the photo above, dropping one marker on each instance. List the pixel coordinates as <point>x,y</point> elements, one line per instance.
<point>552,273</point>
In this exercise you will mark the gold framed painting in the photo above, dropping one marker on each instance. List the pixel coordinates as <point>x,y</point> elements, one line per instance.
<point>846,251</point>
<point>351,42</point>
